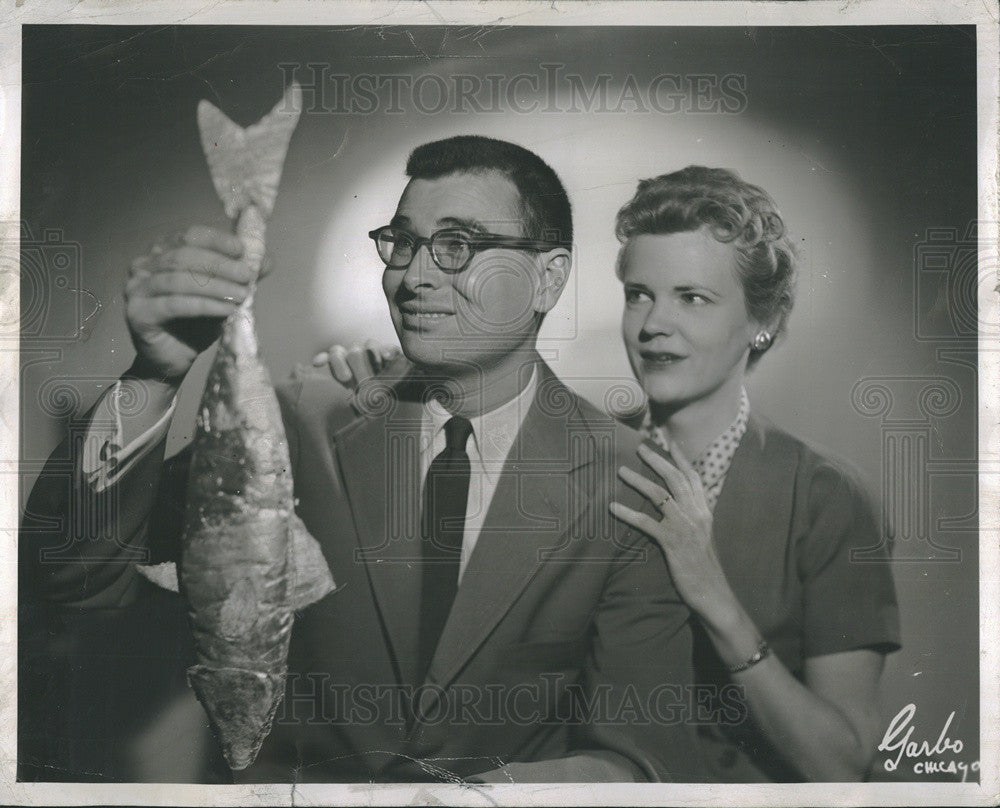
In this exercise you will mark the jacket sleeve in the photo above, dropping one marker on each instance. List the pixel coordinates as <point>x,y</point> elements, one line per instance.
<point>639,675</point>
<point>79,544</point>
<point>847,602</point>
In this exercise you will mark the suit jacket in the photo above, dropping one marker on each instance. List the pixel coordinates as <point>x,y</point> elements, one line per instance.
<point>567,654</point>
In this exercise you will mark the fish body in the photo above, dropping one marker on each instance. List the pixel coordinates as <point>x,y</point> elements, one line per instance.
<point>247,561</point>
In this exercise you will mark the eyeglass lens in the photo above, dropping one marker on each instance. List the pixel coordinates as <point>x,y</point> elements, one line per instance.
<point>449,250</point>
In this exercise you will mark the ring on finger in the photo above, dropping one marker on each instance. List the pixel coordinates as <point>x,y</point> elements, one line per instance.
<point>663,503</point>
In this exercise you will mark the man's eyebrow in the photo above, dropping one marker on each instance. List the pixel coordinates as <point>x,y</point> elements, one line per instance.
<point>457,221</point>
<point>399,220</point>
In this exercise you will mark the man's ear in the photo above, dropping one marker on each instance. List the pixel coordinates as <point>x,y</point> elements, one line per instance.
<point>555,266</point>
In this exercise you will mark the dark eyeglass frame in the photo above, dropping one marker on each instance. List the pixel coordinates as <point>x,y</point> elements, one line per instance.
<point>477,243</point>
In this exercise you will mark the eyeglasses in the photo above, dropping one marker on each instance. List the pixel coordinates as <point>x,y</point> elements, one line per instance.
<point>452,249</point>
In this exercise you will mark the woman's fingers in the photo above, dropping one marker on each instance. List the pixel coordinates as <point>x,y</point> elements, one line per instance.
<point>640,521</point>
<point>360,363</point>
<point>654,493</point>
<point>380,355</point>
<point>685,466</point>
<point>389,353</point>
<point>201,263</point>
<point>677,482</point>
<point>337,360</point>
<point>351,366</point>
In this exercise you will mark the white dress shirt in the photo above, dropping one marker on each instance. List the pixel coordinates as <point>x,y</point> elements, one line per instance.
<point>489,444</point>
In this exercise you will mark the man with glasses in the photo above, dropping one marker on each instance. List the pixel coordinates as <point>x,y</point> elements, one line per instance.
<point>492,622</point>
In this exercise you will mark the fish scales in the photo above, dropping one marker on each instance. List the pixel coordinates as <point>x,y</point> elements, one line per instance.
<point>235,565</point>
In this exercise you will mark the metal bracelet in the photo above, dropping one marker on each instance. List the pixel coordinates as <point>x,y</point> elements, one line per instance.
<point>762,651</point>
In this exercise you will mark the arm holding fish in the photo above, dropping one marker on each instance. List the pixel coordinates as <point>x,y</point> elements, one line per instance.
<point>177,297</point>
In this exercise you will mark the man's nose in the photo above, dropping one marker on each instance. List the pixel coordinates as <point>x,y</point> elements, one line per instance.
<point>422,270</point>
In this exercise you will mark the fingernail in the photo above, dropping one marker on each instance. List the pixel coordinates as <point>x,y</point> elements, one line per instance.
<point>319,359</point>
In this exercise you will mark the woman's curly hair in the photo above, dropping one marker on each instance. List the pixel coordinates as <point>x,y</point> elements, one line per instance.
<point>734,212</point>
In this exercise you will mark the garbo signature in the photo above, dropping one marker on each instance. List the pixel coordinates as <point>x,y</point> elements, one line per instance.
<point>897,739</point>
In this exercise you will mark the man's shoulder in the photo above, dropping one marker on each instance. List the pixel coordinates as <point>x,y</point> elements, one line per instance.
<point>617,440</point>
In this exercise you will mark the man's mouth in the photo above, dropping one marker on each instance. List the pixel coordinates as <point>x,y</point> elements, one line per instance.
<point>423,315</point>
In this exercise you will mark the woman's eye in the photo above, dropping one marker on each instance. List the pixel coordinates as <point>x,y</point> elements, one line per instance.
<point>636,296</point>
<point>695,298</point>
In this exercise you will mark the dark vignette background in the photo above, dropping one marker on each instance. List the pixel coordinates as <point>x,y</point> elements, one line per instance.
<point>111,159</point>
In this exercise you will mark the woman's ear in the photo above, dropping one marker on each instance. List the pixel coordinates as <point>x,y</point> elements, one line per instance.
<point>555,274</point>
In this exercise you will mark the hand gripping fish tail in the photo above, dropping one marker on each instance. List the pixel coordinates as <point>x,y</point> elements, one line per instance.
<point>247,561</point>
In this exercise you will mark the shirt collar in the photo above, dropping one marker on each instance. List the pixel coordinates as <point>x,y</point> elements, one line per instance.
<point>493,432</point>
<point>713,464</point>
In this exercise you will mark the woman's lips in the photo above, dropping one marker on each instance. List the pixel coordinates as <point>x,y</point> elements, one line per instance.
<point>658,359</point>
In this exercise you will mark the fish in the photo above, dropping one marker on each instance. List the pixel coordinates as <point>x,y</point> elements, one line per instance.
<point>247,561</point>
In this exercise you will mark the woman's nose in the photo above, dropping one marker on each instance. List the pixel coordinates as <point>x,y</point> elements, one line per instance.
<point>661,320</point>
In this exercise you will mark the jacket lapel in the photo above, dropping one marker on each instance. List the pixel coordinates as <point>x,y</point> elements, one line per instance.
<point>538,498</point>
<point>379,459</point>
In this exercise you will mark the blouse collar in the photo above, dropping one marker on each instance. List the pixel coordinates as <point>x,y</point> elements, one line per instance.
<point>713,464</point>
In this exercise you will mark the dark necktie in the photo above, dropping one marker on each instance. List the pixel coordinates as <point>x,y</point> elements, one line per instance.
<point>446,491</point>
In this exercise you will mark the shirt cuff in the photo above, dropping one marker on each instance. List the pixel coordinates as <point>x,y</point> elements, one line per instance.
<point>104,458</point>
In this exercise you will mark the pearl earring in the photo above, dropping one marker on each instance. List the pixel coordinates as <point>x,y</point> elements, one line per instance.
<point>762,341</point>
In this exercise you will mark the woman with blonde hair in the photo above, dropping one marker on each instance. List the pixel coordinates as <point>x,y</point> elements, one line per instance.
<point>758,527</point>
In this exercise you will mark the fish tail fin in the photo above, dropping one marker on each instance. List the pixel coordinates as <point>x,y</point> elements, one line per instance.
<point>245,164</point>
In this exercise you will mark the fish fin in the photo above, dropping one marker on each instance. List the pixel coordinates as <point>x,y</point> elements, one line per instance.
<point>245,164</point>
<point>311,578</point>
<point>163,575</point>
<point>241,705</point>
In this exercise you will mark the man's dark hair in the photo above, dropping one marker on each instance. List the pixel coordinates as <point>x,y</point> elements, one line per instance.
<point>545,207</point>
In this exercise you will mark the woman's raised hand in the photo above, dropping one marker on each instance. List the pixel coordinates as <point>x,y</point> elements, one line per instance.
<point>351,366</point>
<point>683,530</point>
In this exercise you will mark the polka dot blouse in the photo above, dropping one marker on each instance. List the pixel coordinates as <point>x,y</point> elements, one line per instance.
<point>713,464</point>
